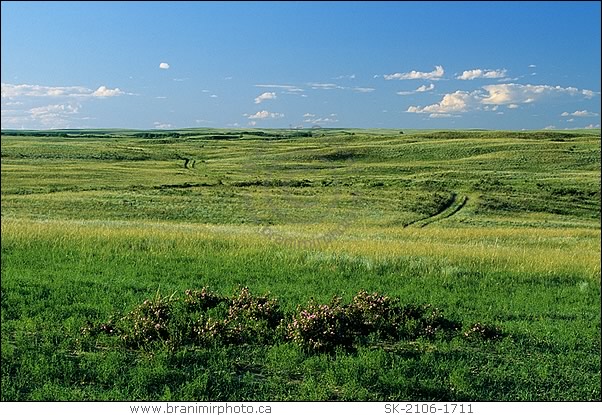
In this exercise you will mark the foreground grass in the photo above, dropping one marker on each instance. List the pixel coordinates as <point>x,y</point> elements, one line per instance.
<point>55,277</point>
<point>93,226</point>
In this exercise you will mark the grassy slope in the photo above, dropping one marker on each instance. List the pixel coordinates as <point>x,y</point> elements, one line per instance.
<point>93,225</point>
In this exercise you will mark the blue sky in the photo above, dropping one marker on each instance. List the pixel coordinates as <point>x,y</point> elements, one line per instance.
<point>147,65</point>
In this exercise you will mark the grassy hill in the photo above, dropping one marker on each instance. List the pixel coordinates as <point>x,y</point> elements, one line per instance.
<point>499,229</point>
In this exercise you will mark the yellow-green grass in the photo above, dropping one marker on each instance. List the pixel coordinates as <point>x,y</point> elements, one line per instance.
<point>547,252</point>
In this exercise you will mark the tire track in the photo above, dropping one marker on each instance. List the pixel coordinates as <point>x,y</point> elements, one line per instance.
<point>458,202</point>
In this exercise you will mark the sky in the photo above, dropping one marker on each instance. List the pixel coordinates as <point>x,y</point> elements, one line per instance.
<point>413,65</point>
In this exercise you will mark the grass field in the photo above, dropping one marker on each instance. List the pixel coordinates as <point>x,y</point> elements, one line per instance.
<point>495,229</point>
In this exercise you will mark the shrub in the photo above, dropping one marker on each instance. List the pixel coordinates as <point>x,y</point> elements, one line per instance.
<point>374,313</point>
<point>246,306</point>
<point>321,327</point>
<point>149,322</point>
<point>202,300</point>
<point>249,320</point>
<point>204,318</point>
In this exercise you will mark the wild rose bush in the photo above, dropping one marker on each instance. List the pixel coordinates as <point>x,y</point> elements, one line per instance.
<point>204,318</point>
<point>321,327</point>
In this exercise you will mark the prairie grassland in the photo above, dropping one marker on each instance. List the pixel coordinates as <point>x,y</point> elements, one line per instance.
<point>499,228</point>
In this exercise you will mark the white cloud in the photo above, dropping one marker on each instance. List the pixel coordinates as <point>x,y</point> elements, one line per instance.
<point>164,65</point>
<point>550,127</point>
<point>588,93</point>
<point>482,73</point>
<point>11,91</point>
<point>362,89</point>
<point>491,96</point>
<point>53,116</point>
<point>532,66</point>
<point>104,92</point>
<point>330,86</point>
<point>162,125</point>
<point>459,101</point>
<point>434,75</point>
<point>261,115</point>
<point>315,85</point>
<point>252,123</point>
<point>265,96</point>
<point>524,94</point>
<point>592,126</point>
<point>439,115</point>
<point>583,113</point>
<point>314,119</point>
<point>424,88</point>
<point>421,88</point>
<point>345,77</point>
<point>288,88</point>
<point>213,96</point>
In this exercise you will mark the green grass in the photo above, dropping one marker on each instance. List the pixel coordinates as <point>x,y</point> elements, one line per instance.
<point>496,227</point>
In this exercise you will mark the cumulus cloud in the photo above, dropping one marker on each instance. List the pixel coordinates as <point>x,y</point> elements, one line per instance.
<point>489,97</point>
<point>523,94</point>
<point>583,113</point>
<point>164,65</point>
<point>103,91</point>
<point>592,126</point>
<point>265,96</point>
<point>261,115</point>
<point>589,94</point>
<point>482,73</point>
<point>433,75</point>
<point>459,101</point>
<point>424,88</point>
<point>162,125</point>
